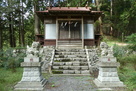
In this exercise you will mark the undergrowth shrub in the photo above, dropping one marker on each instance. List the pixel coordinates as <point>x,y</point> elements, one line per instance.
<point>120,51</point>
<point>9,60</point>
<point>127,69</point>
<point>128,59</point>
<point>128,77</point>
<point>132,40</point>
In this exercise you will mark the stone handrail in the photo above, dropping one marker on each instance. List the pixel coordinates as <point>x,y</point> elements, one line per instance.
<point>51,62</point>
<point>88,59</point>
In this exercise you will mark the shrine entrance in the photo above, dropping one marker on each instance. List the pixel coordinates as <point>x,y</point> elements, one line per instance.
<point>69,30</point>
<point>70,33</point>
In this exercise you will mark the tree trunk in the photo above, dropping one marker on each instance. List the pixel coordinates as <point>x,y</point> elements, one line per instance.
<point>100,20</point>
<point>111,28</point>
<point>37,20</point>
<point>21,25</point>
<point>37,24</point>
<point>22,28</point>
<point>11,30</point>
<point>1,40</point>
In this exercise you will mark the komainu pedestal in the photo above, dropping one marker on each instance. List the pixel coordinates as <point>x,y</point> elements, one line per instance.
<point>108,76</point>
<point>32,78</point>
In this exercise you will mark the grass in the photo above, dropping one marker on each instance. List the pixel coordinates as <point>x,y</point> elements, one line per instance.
<point>8,78</point>
<point>127,71</point>
<point>111,40</point>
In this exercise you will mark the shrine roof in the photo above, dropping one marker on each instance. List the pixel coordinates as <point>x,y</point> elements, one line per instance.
<point>81,11</point>
<point>68,9</point>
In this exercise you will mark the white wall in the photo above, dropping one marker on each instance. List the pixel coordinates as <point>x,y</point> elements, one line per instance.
<point>88,31</point>
<point>50,31</point>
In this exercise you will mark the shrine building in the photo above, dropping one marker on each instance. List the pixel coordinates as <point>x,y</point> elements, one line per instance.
<point>69,27</point>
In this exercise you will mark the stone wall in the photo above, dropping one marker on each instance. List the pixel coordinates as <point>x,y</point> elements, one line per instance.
<point>46,56</point>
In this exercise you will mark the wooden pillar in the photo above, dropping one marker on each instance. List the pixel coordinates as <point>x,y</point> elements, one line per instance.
<point>82,32</point>
<point>69,29</point>
<point>57,32</point>
<point>44,32</point>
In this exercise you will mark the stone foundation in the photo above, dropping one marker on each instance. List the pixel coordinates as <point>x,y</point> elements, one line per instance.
<point>32,78</point>
<point>108,76</point>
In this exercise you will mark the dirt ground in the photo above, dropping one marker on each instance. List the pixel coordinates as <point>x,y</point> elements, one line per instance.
<point>75,83</point>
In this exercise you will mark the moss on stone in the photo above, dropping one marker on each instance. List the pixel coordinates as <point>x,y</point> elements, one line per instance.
<point>57,72</point>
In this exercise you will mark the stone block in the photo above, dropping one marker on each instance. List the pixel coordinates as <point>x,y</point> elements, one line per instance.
<point>61,63</point>
<point>35,79</point>
<point>31,64</point>
<point>27,79</point>
<point>76,64</point>
<point>31,59</point>
<point>83,63</point>
<point>84,67</point>
<point>108,84</point>
<point>31,79</point>
<point>77,72</point>
<point>85,72</point>
<point>65,72</point>
<point>108,76</point>
<point>30,86</point>
<point>108,64</point>
<point>74,67</point>
<point>35,74</point>
<point>56,63</point>
<point>56,67</point>
<point>71,56</point>
<point>65,67</point>
<point>68,63</point>
<point>107,59</point>
<point>71,71</point>
<point>108,69</point>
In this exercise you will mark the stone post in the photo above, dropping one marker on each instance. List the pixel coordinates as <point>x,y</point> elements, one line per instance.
<point>32,78</point>
<point>108,76</point>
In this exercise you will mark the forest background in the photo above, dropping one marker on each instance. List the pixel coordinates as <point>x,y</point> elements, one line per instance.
<point>19,23</point>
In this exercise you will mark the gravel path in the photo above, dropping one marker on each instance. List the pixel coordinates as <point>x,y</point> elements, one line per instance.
<point>70,83</point>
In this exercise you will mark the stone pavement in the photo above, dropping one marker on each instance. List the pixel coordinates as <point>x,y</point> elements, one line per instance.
<point>70,83</point>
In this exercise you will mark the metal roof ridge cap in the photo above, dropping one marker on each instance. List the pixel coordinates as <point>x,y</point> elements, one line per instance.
<point>83,8</point>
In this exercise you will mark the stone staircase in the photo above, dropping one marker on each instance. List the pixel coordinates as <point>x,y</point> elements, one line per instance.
<point>70,61</point>
<point>70,44</point>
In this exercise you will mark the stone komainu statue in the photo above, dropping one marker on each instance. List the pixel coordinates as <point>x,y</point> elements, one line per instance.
<point>33,50</point>
<point>106,50</point>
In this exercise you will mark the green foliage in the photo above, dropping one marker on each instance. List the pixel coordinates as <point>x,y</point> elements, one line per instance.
<point>132,40</point>
<point>128,76</point>
<point>128,59</point>
<point>10,60</point>
<point>127,70</point>
<point>122,19</point>
<point>8,79</point>
<point>131,82</point>
<point>120,51</point>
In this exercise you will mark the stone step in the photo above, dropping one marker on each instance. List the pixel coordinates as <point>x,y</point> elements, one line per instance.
<point>70,67</point>
<point>69,59</point>
<point>69,40</point>
<point>70,63</point>
<point>70,53</point>
<point>70,46</point>
<point>70,56</point>
<point>70,50</point>
<point>70,71</point>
